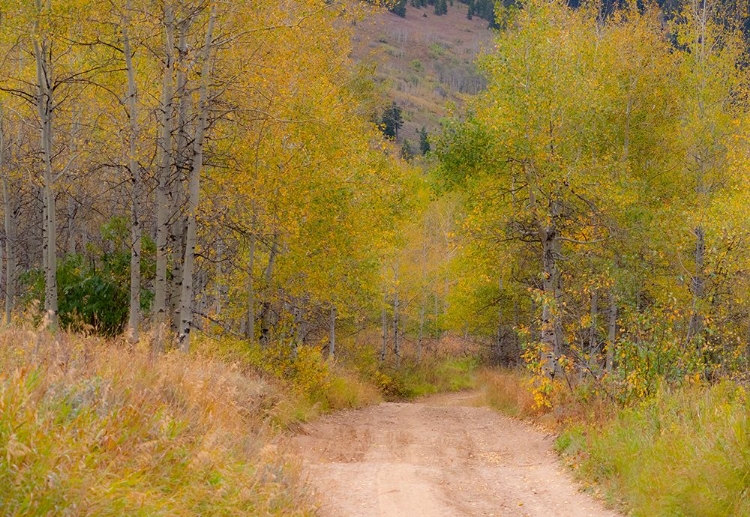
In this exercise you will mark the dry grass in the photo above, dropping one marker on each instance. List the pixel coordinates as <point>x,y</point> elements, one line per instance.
<point>93,428</point>
<point>448,43</point>
<point>508,392</point>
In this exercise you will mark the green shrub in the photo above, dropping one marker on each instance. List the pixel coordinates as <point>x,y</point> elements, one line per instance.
<point>94,288</point>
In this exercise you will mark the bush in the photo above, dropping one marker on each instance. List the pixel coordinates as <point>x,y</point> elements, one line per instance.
<point>94,289</point>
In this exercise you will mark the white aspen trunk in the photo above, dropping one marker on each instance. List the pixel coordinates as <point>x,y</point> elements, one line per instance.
<point>423,302</point>
<point>396,322</point>
<point>265,324</point>
<point>182,170</point>
<point>45,106</point>
<point>611,330</point>
<point>384,322</point>
<point>219,302</point>
<point>594,314</point>
<point>176,246</point>
<point>437,316</point>
<point>72,207</point>
<point>10,228</point>
<point>134,313</point>
<point>332,334</point>
<point>420,338</point>
<point>186,295</point>
<point>250,331</point>
<point>164,172</point>
<point>10,249</point>
<point>44,228</point>
<point>698,285</point>
<point>551,331</point>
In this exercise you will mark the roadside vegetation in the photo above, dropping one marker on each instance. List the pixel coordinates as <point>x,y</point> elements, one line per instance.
<point>90,427</point>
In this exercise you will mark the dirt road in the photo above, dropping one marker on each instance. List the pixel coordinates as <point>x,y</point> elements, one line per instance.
<point>440,457</point>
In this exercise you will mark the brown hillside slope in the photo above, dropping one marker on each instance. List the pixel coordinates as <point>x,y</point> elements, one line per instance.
<point>424,61</point>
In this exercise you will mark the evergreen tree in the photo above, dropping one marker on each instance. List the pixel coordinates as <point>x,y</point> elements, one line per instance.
<point>391,121</point>
<point>399,8</point>
<point>441,7</point>
<point>424,143</point>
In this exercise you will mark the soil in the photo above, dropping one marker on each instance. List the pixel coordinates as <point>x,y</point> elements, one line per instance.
<point>438,457</point>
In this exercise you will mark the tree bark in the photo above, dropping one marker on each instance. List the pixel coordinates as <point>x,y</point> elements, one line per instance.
<point>265,324</point>
<point>134,313</point>
<point>594,314</point>
<point>164,173</point>
<point>611,330</point>
<point>698,286</point>
<point>332,333</point>
<point>250,332</point>
<point>551,331</point>
<point>10,229</point>
<point>45,107</point>
<point>384,323</point>
<point>396,322</point>
<point>186,296</point>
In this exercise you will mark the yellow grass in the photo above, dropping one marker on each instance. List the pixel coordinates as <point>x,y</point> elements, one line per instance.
<point>92,428</point>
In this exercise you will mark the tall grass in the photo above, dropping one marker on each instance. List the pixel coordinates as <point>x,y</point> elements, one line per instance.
<point>683,453</point>
<point>508,392</point>
<point>91,428</point>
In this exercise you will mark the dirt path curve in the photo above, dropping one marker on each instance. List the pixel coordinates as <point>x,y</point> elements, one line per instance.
<point>438,457</point>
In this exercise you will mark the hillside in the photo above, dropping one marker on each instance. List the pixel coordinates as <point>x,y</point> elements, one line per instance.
<point>425,62</point>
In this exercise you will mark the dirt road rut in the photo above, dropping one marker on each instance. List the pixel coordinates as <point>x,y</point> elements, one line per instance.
<point>440,457</point>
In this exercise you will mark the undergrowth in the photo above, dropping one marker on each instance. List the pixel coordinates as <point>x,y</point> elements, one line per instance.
<point>429,376</point>
<point>683,452</point>
<point>318,385</point>
<point>92,428</point>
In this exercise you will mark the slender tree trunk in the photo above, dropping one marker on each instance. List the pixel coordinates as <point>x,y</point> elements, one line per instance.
<point>423,301</point>
<point>611,330</point>
<point>594,314</point>
<point>72,207</point>
<point>396,322</point>
<point>164,173</point>
<point>134,313</point>
<point>384,322</point>
<point>551,331</point>
<point>420,338</point>
<point>45,106</point>
<point>7,210</point>
<point>332,333</point>
<point>10,250</point>
<point>265,324</point>
<point>250,332</point>
<point>437,319</point>
<point>698,286</point>
<point>182,170</point>
<point>186,297</point>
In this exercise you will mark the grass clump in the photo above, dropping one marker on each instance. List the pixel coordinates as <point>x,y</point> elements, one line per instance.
<point>683,452</point>
<point>91,428</point>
